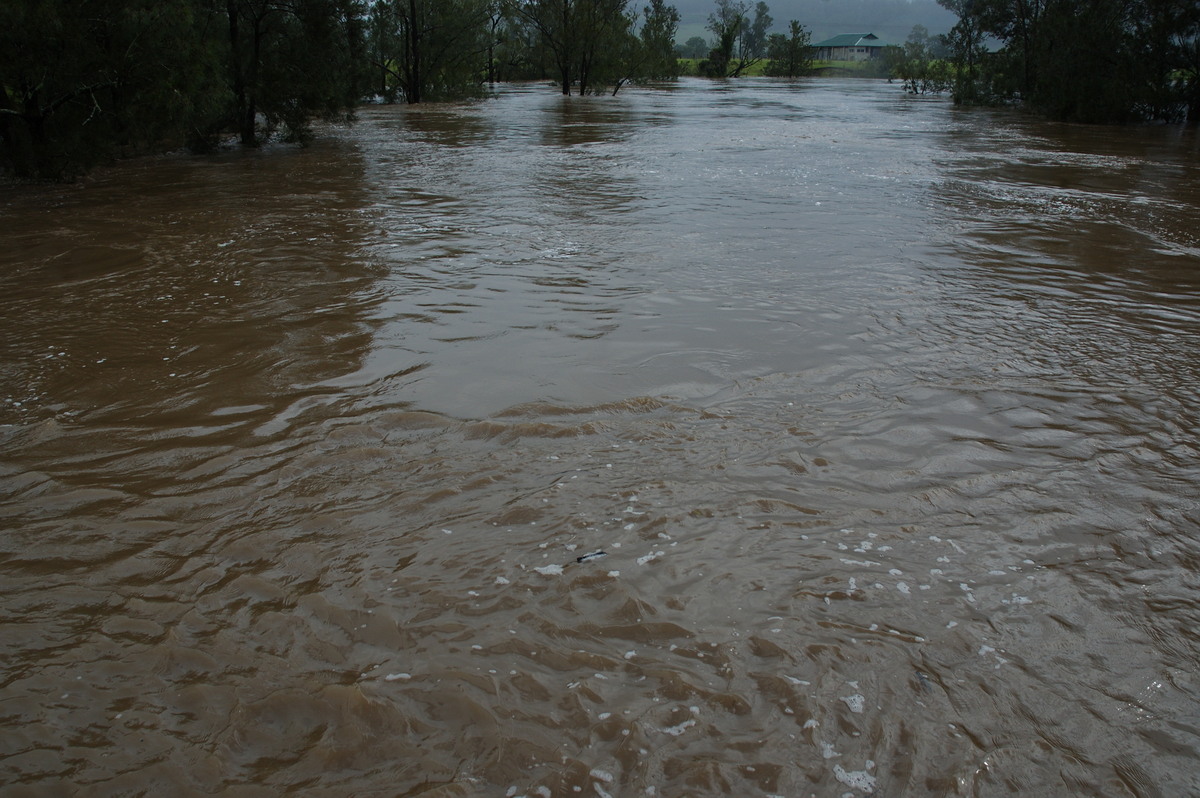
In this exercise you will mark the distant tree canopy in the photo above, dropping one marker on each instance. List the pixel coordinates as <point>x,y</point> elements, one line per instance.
<point>695,47</point>
<point>82,81</point>
<point>1095,61</point>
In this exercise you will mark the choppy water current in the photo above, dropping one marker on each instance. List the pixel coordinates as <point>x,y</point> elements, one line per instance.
<point>752,439</point>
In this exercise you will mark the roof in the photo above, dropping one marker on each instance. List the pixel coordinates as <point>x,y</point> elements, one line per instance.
<point>852,40</point>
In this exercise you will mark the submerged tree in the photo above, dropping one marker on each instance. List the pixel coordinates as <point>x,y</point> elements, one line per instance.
<point>790,55</point>
<point>752,39</point>
<point>290,62</point>
<point>571,30</point>
<point>920,63</point>
<point>1099,61</point>
<point>431,49</point>
<point>660,24</point>
<point>741,39</point>
<point>651,55</point>
<point>967,50</point>
<point>87,80</point>
<point>725,23</point>
<point>596,45</point>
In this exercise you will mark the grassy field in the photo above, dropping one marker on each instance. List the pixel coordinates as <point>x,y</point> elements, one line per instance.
<point>690,66</point>
<point>856,69</point>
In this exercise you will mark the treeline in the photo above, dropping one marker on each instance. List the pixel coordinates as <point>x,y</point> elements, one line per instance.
<point>741,40</point>
<point>1080,60</point>
<point>86,80</point>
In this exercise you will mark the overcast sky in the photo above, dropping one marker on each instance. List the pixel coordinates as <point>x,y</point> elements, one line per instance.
<point>891,20</point>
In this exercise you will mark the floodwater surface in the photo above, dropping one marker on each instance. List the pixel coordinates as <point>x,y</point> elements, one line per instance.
<point>759,438</point>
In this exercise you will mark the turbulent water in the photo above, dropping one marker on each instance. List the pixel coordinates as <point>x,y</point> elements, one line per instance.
<point>762,438</point>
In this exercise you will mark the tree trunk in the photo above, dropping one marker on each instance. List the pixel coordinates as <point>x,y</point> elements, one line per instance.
<point>17,137</point>
<point>413,94</point>
<point>249,138</point>
<point>239,75</point>
<point>491,51</point>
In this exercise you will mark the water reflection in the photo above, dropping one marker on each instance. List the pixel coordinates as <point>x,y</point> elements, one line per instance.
<point>159,355</point>
<point>441,125</point>
<point>578,121</point>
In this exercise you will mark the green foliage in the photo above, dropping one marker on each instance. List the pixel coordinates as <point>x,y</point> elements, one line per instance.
<point>919,63</point>
<point>792,55</point>
<point>656,59</point>
<point>695,47</point>
<point>82,81</point>
<point>432,49</point>
<point>726,24</point>
<point>290,62</point>
<point>741,40</point>
<point>1094,61</point>
<point>594,46</point>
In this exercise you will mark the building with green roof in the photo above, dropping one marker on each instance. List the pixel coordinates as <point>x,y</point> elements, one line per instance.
<point>850,47</point>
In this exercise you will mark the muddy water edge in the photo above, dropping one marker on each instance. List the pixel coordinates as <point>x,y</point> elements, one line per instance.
<point>761,438</point>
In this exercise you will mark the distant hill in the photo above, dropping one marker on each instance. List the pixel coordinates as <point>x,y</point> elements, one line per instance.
<point>890,20</point>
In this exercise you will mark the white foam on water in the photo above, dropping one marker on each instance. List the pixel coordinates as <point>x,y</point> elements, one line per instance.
<point>397,677</point>
<point>855,779</point>
<point>855,702</point>
<point>675,731</point>
<point>550,570</point>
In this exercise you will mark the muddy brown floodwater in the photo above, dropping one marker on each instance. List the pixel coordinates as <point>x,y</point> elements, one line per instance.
<point>885,416</point>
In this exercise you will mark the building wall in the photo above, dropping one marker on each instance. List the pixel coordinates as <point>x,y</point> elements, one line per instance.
<point>847,53</point>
